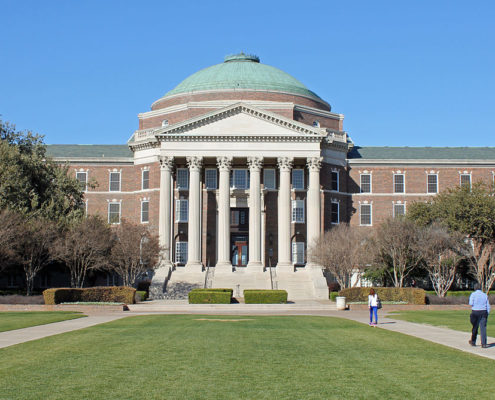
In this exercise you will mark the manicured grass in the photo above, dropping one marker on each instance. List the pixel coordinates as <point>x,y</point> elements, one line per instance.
<point>453,319</point>
<point>10,320</point>
<point>228,357</point>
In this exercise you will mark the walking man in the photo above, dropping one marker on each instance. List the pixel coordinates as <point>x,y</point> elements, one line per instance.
<point>480,307</point>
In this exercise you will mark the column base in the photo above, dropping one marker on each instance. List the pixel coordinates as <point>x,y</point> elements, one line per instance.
<point>223,267</point>
<point>194,267</point>
<point>255,266</point>
<point>284,267</point>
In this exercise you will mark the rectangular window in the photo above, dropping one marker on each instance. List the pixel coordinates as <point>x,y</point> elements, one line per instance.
<point>365,214</point>
<point>334,213</point>
<point>269,178</point>
<point>398,183</point>
<point>239,179</point>
<point>182,178</point>
<point>180,252</point>
<point>181,210</point>
<point>432,183</point>
<point>298,252</point>
<point>145,179</point>
<point>298,211</point>
<point>145,211</point>
<point>82,177</point>
<point>335,181</point>
<point>114,181</point>
<point>297,179</point>
<point>466,180</point>
<point>365,183</point>
<point>114,213</point>
<point>211,178</point>
<point>399,210</point>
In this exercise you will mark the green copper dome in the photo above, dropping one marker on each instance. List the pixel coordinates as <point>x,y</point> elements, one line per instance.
<point>242,71</point>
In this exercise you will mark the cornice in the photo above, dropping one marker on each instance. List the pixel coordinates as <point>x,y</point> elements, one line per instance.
<point>319,113</point>
<point>436,162</point>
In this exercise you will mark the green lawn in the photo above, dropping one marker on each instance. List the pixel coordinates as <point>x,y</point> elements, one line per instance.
<point>453,319</point>
<point>10,320</point>
<point>225,357</point>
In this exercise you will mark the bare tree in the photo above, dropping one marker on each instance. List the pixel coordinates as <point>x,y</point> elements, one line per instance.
<point>342,252</point>
<point>135,251</point>
<point>10,226</point>
<point>395,246</point>
<point>441,251</point>
<point>36,239</point>
<point>84,246</point>
<point>482,262</point>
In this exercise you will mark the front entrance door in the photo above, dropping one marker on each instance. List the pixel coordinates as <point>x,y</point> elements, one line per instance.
<point>239,246</point>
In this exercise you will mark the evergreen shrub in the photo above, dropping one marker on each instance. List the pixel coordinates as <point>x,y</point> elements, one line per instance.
<point>334,295</point>
<point>141,295</point>
<point>409,295</point>
<point>210,296</point>
<point>100,294</point>
<point>265,296</point>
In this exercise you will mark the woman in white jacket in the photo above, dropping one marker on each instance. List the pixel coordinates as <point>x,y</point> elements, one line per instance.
<point>373,306</point>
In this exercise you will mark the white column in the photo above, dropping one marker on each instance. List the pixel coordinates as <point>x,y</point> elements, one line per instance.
<point>284,210</point>
<point>164,218</point>
<point>255,164</point>
<point>194,227</point>
<point>313,201</point>
<point>223,233</point>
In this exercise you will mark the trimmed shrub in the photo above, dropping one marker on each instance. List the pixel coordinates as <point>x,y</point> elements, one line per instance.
<point>334,295</point>
<point>265,296</point>
<point>141,295</point>
<point>452,293</point>
<point>409,295</point>
<point>99,294</point>
<point>210,296</point>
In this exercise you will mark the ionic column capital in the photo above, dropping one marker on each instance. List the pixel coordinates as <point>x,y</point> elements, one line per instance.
<point>166,163</point>
<point>255,163</point>
<point>285,163</point>
<point>224,163</point>
<point>314,163</point>
<point>194,163</point>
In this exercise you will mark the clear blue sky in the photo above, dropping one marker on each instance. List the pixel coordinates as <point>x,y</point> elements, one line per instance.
<point>416,73</point>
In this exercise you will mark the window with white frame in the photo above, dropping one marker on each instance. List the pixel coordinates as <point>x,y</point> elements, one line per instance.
<point>82,177</point>
<point>211,178</point>
<point>181,210</point>
<point>114,213</point>
<point>365,214</point>
<point>298,252</point>
<point>145,179</point>
<point>334,181</point>
<point>182,178</point>
<point>180,252</point>
<point>269,178</point>
<point>432,183</point>
<point>334,213</point>
<point>399,186</point>
<point>145,211</point>
<point>298,178</point>
<point>239,179</point>
<point>465,180</point>
<point>365,183</point>
<point>298,211</point>
<point>114,182</point>
<point>399,210</point>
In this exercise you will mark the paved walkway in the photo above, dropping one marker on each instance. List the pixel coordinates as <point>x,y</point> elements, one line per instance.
<point>447,337</point>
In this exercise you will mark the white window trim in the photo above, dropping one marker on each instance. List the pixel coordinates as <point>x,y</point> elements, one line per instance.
<point>120,212</point>
<point>142,202</point>
<point>371,214</point>
<point>86,181</point>
<point>398,204</point>
<point>470,179</point>
<point>110,181</point>
<point>177,246</point>
<point>187,179</point>
<point>295,245</point>
<point>274,178</point>
<point>177,210</point>
<point>428,186</point>
<point>403,183</point>
<point>338,180</point>
<point>361,182</point>
<point>216,179</point>
<point>293,206</point>
<point>142,179</point>
<point>303,179</point>
<point>338,213</point>
<point>246,173</point>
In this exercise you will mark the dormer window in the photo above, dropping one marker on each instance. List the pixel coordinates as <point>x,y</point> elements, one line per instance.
<point>164,123</point>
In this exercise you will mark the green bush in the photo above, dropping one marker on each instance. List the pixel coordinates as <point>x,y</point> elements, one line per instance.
<point>409,295</point>
<point>210,296</point>
<point>141,295</point>
<point>333,295</point>
<point>100,294</point>
<point>265,296</point>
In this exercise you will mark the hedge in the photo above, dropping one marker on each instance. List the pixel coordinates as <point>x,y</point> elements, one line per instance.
<point>265,296</point>
<point>409,295</point>
<point>103,294</point>
<point>456,293</point>
<point>210,296</point>
<point>334,295</point>
<point>141,295</point>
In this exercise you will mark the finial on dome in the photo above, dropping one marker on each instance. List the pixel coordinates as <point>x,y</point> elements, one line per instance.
<point>242,57</point>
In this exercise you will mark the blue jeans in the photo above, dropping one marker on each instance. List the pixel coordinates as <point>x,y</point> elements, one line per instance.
<point>374,310</point>
<point>478,319</point>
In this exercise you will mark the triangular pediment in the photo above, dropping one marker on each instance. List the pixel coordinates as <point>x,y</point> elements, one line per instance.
<point>240,119</point>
